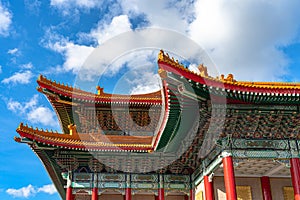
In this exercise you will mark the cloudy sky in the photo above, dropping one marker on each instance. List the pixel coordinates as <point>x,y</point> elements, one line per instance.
<point>256,40</point>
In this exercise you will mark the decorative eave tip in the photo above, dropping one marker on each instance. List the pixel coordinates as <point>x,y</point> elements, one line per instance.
<point>203,72</point>
<point>17,139</point>
<point>165,58</point>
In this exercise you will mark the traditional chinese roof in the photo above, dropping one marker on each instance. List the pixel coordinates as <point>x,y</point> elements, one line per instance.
<point>87,142</point>
<point>87,110</point>
<point>235,91</point>
<point>186,89</point>
<point>187,116</point>
<point>51,87</point>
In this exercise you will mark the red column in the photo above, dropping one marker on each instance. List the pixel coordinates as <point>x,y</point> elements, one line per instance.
<point>266,188</point>
<point>128,194</point>
<point>161,194</point>
<point>209,188</point>
<point>192,194</point>
<point>229,178</point>
<point>156,197</point>
<point>128,187</point>
<point>95,193</point>
<point>186,197</point>
<point>161,191</point>
<point>95,187</point>
<point>295,173</point>
<point>69,195</point>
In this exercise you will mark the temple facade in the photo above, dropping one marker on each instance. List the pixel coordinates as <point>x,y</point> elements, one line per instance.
<point>199,137</point>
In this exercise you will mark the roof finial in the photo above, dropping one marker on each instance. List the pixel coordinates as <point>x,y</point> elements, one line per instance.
<point>99,89</point>
<point>72,129</point>
<point>203,70</point>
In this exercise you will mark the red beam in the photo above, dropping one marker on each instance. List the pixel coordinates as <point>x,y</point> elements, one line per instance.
<point>229,178</point>
<point>295,173</point>
<point>266,188</point>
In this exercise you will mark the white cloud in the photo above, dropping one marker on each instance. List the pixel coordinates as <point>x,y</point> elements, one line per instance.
<point>239,40</point>
<point>41,115</point>
<point>244,37</point>
<point>74,7</point>
<point>33,112</point>
<point>19,77</point>
<point>0,69</point>
<point>74,54</point>
<point>29,191</point>
<point>13,51</point>
<point>14,106</point>
<point>27,66</point>
<point>118,25</point>
<point>139,76</point>
<point>24,192</point>
<point>49,189</point>
<point>33,6</point>
<point>70,3</point>
<point>159,13</point>
<point>5,20</point>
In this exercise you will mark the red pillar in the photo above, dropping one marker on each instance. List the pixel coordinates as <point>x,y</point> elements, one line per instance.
<point>266,188</point>
<point>229,178</point>
<point>161,194</point>
<point>128,194</point>
<point>209,188</point>
<point>156,197</point>
<point>95,193</point>
<point>295,173</point>
<point>192,194</point>
<point>95,187</point>
<point>161,191</point>
<point>69,195</point>
<point>186,197</point>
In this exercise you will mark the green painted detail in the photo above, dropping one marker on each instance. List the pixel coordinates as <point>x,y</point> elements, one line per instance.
<point>173,119</point>
<point>262,154</point>
<point>111,185</point>
<point>144,178</point>
<point>111,177</point>
<point>176,178</point>
<point>81,185</point>
<point>177,186</point>
<point>64,175</point>
<point>82,176</point>
<point>144,186</point>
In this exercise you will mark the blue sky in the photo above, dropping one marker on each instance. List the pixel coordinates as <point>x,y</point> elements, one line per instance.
<point>253,39</point>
